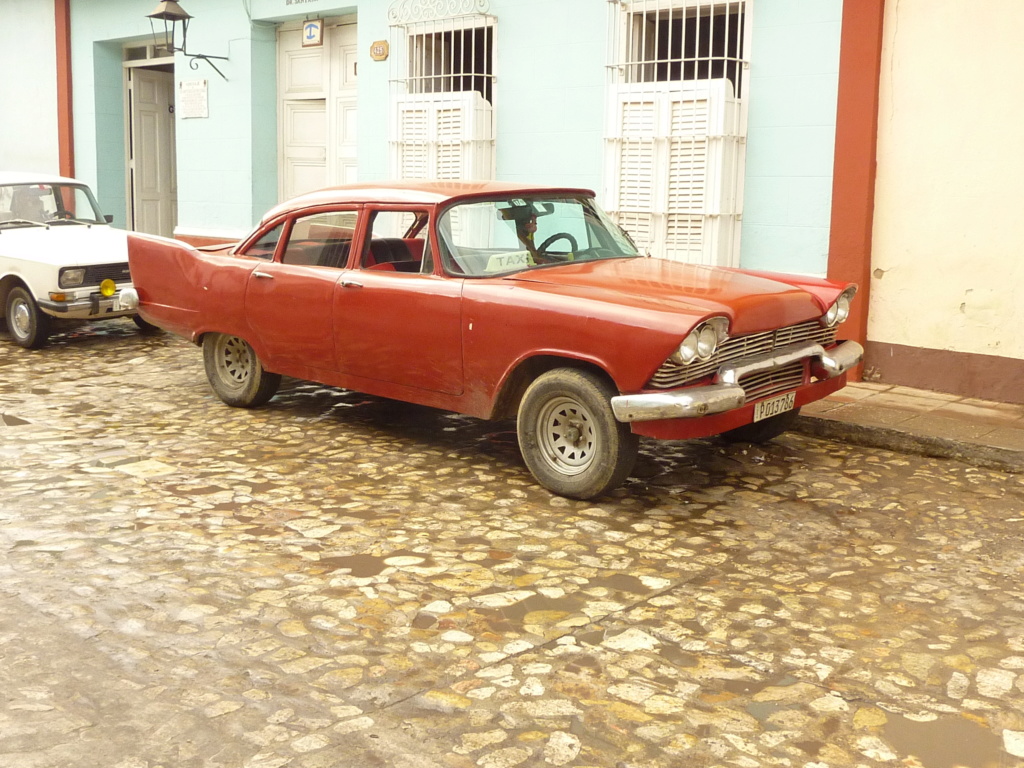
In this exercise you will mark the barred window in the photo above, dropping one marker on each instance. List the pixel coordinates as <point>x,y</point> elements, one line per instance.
<point>677,126</point>
<point>701,42</point>
<point>450,60</point>
<point>443,95</point>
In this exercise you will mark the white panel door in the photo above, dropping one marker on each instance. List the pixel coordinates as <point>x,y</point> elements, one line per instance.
<point>343,102</point>
<point>304,125</point>
<point>152,162</point>
<point>317,108</point>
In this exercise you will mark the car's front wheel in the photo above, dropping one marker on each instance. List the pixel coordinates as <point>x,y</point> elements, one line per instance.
<point>235,373</point>
<point>569,437</point>
<point>28,325</point>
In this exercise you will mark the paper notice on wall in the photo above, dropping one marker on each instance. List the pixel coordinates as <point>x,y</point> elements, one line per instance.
<point>193,99</point>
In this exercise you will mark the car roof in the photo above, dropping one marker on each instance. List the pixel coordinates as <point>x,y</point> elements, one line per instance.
<point>414,192</point>
<point>26,177</point>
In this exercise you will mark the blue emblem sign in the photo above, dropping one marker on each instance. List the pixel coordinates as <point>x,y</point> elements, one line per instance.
<point>312,33</point>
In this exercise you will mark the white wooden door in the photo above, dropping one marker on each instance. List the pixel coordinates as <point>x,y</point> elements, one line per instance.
<point>304,162</point>
<point>343,97</point>
<point>152,163</point>
<point>317,109</point>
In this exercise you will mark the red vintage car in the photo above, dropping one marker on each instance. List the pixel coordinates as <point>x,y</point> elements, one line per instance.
<point>500,300</point>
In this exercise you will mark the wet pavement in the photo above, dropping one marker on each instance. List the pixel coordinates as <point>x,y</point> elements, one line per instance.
<point>336,580</point>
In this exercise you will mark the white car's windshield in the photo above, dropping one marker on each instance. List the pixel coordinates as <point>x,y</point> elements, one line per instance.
<point>506,235</point>
<point>24,205</point>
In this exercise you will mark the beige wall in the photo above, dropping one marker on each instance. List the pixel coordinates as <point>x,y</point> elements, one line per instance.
<point>948,244</point>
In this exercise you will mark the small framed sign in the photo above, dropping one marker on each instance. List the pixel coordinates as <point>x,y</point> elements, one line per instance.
<point>379,50</point>
<point>193,99</point>
<point>312,33</point>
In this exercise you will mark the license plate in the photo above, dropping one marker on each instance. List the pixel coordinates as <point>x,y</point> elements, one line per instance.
<point>768,408</point>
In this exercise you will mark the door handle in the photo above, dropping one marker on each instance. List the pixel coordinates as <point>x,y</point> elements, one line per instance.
<point>347,283</point>
<point>267,275</point>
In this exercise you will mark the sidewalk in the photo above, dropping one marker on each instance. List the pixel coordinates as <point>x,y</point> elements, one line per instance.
<point>980,432</point>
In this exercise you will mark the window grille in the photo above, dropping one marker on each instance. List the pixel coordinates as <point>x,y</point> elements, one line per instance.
<point>677,124</point>
<point>442,123</point>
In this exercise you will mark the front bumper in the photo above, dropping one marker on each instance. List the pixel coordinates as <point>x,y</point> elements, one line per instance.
<point>93,306</point>
<point>726,394</point>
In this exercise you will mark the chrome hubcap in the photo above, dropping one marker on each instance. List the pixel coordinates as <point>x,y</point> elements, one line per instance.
<point>21,317</point>
<point>566,437</point>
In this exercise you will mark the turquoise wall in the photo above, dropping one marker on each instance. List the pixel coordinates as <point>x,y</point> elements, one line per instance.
<point>227,163</point>
<point>549,93</point>
<point>550,101</point>
<point>794,84</point>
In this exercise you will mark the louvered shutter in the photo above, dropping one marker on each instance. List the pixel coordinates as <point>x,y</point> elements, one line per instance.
<point>443,136</point>
<point>635,180</point>
<point>449,122</point>
<point>673,168</point>
<point>413,148</point>
<point>687,179</point>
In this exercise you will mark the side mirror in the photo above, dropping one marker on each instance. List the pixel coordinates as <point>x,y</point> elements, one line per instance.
<point>109,218</point>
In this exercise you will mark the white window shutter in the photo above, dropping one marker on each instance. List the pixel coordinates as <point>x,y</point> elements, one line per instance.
<point>635,182</point>
<point>673,169</point>
<point>413,150</point>
<point>443,136</point>
<point>449,123</point>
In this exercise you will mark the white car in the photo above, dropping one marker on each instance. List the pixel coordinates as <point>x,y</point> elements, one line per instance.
<point>59,257</point>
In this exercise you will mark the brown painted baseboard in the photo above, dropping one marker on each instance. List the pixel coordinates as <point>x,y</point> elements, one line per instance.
<point>986,377</point>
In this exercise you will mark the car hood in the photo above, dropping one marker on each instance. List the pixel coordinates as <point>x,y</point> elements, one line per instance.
<point>66,245</point>
<point>753,303</point>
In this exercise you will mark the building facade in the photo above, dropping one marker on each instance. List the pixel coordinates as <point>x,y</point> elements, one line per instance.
<point>735,132</point>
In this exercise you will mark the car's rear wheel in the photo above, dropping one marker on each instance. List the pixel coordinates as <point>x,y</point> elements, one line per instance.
<point>570,440</point>
<point>762,431</point>
<point>28,325</point>
<point>235,373</point>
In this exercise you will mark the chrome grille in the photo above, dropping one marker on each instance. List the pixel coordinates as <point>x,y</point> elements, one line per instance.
<point>767,383</point>
<point>97,273</point>
<point>673,374</point>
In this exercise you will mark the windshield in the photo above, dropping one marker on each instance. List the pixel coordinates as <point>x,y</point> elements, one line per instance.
<point>28,204</point>
<point>507,235</point>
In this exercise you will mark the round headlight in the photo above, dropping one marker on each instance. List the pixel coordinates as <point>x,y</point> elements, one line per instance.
<point>831,317</point>
<point>108,288</point>
<point>707,342</point>
<point>843,307</point>
<point>688,349</point>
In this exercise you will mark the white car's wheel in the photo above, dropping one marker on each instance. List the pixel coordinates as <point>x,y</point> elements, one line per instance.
<point>143,326</point>
<point>570,440</point>
<point>28,325</point>
<point>235,373</point>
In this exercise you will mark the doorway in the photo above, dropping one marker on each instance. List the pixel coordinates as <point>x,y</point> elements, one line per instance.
<point>150,142</point>
<point>317,109</point>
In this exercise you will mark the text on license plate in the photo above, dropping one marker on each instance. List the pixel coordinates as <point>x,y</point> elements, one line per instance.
<point>773,407</point>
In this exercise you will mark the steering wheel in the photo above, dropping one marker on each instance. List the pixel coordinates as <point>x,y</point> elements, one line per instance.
<point>558,236</point>
<point>61,215</point>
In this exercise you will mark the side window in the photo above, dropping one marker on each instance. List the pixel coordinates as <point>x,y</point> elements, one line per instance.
<point>321,240</point>
<point>265,247</point>
<point>395,242</point>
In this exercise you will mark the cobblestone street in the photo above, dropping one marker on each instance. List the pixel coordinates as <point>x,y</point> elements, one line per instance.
<point>334,581</point>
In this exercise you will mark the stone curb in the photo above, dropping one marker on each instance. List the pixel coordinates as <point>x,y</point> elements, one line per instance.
<point>987,456</point>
